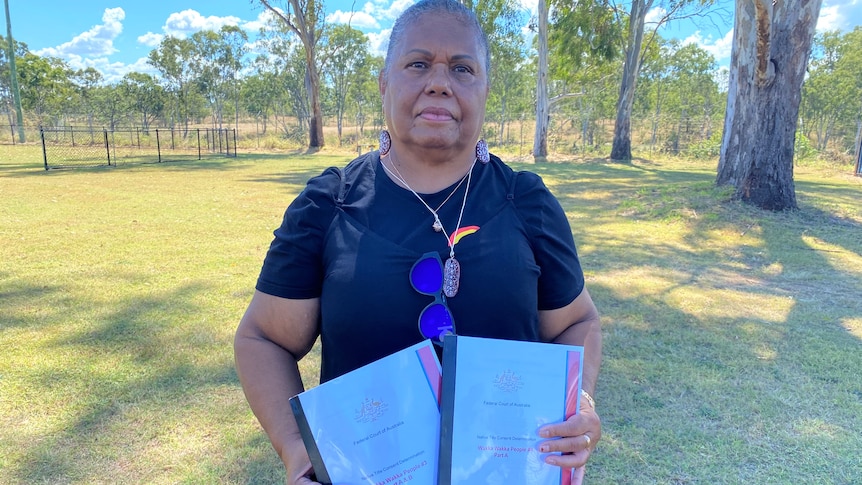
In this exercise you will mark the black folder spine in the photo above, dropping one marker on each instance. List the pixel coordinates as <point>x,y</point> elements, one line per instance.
<point>447,408</point>
<point>320,471</point>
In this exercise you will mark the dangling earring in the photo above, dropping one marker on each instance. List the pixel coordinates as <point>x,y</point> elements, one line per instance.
<point>385,143</point>
<point>482,152</point>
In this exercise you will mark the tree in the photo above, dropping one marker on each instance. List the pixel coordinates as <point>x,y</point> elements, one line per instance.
<point>85,81</point>
<point>771,46</point>
<point>46,89</point>
<point>305,19</point>
<point>832,94</point>
<point>345,53</point>
<point>144,95</point>
<point>13,75</point>
<point>622,142</point>
<point>173,59</point>
<point>581,33</point>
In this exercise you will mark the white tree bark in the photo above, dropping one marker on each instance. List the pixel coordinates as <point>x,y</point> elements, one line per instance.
<point>771,47</point>
<point>543,112</point>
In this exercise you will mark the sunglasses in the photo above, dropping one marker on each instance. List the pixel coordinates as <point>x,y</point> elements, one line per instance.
<point>426,277</point>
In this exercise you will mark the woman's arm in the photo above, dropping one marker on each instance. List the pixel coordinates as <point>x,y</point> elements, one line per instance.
<point>273,335</point>
<point>575,324</point>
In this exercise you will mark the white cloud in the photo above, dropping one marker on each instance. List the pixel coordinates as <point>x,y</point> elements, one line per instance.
<point>357,20</point>
<point>150,39</point>
<point>378,42</point>
<point>263,19</point>
<point>182,24</point>
<point>655,15</point>
<point>111,71</point>
<point>98,41</point>
<point>720,48</point>
<point>830,18</point>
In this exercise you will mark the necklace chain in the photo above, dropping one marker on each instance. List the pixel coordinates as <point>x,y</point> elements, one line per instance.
<point>452,268</point>
<point>437,223</point>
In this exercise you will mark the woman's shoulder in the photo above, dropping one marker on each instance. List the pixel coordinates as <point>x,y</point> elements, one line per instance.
<point>337,182</point>
<point>521,182</point>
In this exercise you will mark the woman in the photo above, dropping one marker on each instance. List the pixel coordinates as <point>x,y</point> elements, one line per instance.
<point>339,264</point>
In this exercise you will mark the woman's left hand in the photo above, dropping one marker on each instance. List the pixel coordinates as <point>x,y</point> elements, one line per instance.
<point>575,438</point>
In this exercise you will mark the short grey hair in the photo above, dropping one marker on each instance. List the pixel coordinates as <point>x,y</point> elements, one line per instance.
<point>449,7</point>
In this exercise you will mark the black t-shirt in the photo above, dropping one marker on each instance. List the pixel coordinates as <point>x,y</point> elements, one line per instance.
<point>352,236</point>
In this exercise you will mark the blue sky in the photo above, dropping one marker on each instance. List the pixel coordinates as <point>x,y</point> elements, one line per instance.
<point>115,36</point>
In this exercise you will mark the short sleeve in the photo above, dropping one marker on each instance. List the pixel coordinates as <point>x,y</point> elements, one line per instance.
<point>561,279</point>
<point>293,265</point>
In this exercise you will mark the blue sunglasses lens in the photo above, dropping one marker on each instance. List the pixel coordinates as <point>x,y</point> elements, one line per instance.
<point>426,276</point>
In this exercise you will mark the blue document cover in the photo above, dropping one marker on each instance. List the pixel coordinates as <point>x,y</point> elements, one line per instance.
<point>379,424</point>
<point>496,395</point>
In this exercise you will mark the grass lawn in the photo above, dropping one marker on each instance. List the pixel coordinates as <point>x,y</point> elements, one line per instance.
<point>733,337</point>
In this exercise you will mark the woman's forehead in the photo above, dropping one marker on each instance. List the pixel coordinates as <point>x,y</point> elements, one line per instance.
<point>433,31</point>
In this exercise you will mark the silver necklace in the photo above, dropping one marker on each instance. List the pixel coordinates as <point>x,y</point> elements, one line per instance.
<point>452,268</point>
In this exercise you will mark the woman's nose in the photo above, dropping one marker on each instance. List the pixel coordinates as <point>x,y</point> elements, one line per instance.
<point>438,81</point>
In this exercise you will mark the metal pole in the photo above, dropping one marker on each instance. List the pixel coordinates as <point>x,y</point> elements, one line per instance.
<point>859,158</point>
<point>107,147</point>
<point>158,146</point>
<point>234,143</point>
<point>44,151</point>
<point>199,143</point>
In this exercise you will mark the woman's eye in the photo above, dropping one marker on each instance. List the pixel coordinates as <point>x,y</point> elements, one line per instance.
<point>462,69</point>
<point>416,65</point>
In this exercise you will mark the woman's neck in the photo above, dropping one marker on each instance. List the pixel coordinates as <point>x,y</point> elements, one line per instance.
<point>427,175</point>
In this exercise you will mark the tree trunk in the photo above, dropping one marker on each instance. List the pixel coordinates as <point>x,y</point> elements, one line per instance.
<point>622,143</point>
<point>315,124</point>
<point>770,52</point>
<point>543,114</point>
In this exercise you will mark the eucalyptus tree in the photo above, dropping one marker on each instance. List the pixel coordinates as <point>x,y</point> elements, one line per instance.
<point>144,96</point>
<point>771,46</point>
<point>10,94</point>
<point>344,54</point>
<point>502,20</point>
<point>832,94</point>
<point>305,19</point>
<point>173,59</point>
<point>581,34</point>
<point>46,87</point>
<point>13,74</point>
<point>216,60</point>
<point>85,82</point>
<point>633,58</point>
<point>286,61</point>
<point>109,105</point>
<point>260,91</point>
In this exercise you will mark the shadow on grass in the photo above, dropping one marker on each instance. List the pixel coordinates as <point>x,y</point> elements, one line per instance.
<point>141,377</point>
<point>725,356</point>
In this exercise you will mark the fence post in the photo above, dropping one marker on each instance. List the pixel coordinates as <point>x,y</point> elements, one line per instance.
<point>199,143</point>
<point>158,146</point>
<point>859,158</point>
<point>234,143</point>
<point>107,146</point>
<point>44,150</point>
<point>12,130</point>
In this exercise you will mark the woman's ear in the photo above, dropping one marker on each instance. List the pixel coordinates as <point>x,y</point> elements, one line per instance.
<point>381,83</point>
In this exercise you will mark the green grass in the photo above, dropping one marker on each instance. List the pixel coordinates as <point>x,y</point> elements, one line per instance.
<point>733,337</point>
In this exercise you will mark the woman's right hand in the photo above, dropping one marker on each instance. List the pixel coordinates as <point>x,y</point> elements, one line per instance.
<point>297,464</point>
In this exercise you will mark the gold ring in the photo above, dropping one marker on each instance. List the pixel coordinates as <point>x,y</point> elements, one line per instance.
<point>588,440</point>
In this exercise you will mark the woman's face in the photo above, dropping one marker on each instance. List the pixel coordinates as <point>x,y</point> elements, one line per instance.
<point>434,95</point>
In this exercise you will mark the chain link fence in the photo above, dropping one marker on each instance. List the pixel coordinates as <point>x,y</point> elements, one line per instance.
<point>83,147</point>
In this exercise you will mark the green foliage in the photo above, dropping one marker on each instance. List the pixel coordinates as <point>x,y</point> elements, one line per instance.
<point>802,148</point>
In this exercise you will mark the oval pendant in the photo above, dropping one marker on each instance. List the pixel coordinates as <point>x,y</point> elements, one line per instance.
<point>451,277</point>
